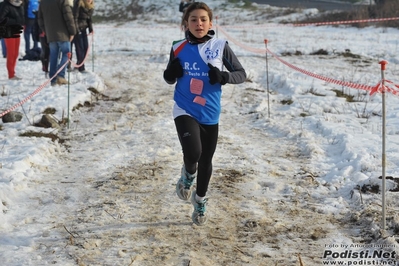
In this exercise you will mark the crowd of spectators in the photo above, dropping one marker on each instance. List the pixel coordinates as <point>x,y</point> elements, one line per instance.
<point>50,28</point>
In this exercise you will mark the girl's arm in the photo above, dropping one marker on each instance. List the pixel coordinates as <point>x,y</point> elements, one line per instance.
<point>168,75</point>
<point>236,72</point>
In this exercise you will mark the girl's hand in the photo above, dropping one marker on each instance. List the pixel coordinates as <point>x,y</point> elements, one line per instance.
<point>217,76</point>
<point>174,70</point>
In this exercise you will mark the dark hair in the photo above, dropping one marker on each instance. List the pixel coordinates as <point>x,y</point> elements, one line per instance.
<point>195,6</point>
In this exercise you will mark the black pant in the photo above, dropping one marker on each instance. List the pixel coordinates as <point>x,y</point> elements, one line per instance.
<point>81,47</point>
<point>45,54</point>
<point>199,144</point>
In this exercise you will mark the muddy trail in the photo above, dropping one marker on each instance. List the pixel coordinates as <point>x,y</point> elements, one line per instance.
<point>118,206</point>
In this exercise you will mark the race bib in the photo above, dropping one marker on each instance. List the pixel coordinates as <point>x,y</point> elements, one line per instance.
<point>196,86</point>
<point>199,100</point>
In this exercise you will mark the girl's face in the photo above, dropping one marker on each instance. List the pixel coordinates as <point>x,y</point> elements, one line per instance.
<point>199,23</point>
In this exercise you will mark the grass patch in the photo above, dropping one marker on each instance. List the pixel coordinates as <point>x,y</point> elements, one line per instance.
<point>320,52</point>
<point>297,53</point>
<point>287,102</point>
<point>341,94</point>
<point>51,136</point>
<point>79,105</point>
<point>349,54</point>
<point>49,111</point>
<point>304,114</point>
<point>243,4</point>
<point>314,92</point>
<point>117,12</point>
<point>383,9</point>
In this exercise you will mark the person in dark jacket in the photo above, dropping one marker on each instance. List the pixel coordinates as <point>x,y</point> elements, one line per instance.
<point>45,49</point>
<point>83,11</point>
<point>13,12</point>
<point>8,31</point>
<point>56,19</point>
<point>196,64</point>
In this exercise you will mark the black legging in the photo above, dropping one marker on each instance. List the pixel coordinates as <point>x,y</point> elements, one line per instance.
<point>199,144</point>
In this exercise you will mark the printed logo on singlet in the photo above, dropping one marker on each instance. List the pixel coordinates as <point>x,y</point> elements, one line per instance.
<point>192,70</point>
<point>186,66</point>
<point>211,54</point>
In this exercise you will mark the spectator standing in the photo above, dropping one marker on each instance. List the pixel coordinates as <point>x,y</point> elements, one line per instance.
<point>56,19</point>
<point>45,51</point>
<point>13,11</point>
<point>83,11</point>
<point>30,8</point>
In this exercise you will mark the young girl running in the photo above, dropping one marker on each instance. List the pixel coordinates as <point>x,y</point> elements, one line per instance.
<point>196,64</point>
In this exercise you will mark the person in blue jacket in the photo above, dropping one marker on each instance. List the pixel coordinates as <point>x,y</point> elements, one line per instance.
<point>196,65</point>
<point>31,7</point>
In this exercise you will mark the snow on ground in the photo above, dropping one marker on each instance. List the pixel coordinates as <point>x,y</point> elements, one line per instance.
<point>296,171</point>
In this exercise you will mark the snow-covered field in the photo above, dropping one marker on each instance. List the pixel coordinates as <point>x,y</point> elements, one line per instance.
<point>296,171</point>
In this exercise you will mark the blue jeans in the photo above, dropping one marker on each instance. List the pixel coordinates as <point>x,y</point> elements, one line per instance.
<point>57,50</point>
<point>3,48</point>
<point>28,32</point>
